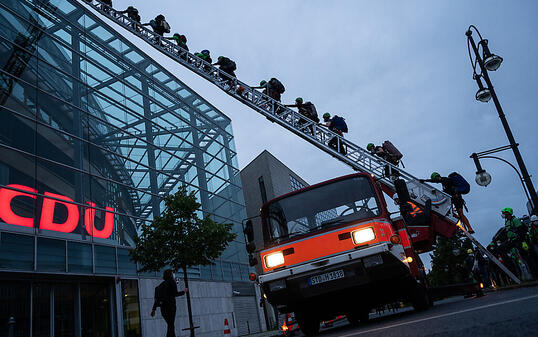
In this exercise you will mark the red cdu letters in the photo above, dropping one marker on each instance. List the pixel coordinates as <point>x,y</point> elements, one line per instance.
<point>89,221</point>
<point>6,213</point>
<point>47,214</point>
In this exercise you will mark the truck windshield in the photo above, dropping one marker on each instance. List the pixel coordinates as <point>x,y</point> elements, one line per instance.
<point>329,205</point>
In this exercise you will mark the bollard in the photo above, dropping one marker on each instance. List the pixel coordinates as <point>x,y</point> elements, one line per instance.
<point>11,327</point>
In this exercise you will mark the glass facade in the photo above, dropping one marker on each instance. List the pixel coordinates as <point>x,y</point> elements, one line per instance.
<point>93,135</point>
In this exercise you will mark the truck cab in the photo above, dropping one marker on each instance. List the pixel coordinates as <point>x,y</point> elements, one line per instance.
<point>332,249</point>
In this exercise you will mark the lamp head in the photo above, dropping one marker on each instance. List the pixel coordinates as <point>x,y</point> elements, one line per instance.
<point>483,94</point>
<point>483,178</point>
<point>492,62</point>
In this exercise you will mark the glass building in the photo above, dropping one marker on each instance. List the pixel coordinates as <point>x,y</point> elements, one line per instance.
<point>93,134</point>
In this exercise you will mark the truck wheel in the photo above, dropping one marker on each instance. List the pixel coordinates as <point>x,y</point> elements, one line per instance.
<point>359,316</point>
<point>421,300</point>
<point>308,323</point>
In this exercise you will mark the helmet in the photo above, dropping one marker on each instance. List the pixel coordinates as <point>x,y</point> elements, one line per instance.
<point>525,246</point>
<point>326,115</point>
<point>508,210</point>
<point>205,52</point>
<point>534,218</point>
<point>435,175</point>
<point>469,251</point>
<point>159,17</point>
<point>299,100</point>
<point>262,83</point>
<point>220,57</point>
<point>370,146</point>
<point>183,38</point>
<point>176,36</point>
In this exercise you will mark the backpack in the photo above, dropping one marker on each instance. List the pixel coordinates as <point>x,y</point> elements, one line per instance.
<point>339,123</point>
<point>392,150</point>
<point>276,85</point>
<point>460,184</point>
<point>311,109</point>
<point>160,293</point>
<point>227,65</point>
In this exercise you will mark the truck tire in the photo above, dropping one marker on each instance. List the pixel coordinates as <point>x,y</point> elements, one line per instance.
<point>308,323</point>
<point>421,300</point>
<point>358,316</point>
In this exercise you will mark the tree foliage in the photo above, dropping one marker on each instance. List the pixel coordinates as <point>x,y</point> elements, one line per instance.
<point>448,260</point>
<point>179,238</point>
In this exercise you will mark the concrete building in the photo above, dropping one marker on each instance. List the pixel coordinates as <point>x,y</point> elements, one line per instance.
<point>265,178</point>
<point>93,134</point>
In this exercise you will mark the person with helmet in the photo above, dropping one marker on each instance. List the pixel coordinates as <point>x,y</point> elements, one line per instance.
<point>516,234</point>
<point>159,25</point>
<point>337,125</point>
<point>228,68</point>
<point>450,188</point>
<point>205,55</point>
<point>306,109</point>
<point>274,88</point>
<point>181,40</point>
<point>132,13</point>
<point>515,230</point>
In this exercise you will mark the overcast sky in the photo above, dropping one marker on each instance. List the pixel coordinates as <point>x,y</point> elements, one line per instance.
<point>395,70</point>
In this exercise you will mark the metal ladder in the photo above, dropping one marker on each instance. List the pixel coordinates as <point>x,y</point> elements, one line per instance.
<point>356,157</point>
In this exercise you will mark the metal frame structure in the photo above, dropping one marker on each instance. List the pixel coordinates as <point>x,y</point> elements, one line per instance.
<point>358,158</point>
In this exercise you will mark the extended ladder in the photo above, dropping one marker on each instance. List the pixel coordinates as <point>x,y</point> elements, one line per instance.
<point>356,157</point>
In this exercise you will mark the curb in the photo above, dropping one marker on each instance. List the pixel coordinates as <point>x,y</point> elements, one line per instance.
<point>514,286</point>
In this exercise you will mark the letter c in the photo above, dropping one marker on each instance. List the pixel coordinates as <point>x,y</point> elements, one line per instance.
<point>6,213</point>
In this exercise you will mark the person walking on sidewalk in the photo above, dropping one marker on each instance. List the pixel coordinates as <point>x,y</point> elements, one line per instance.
<point>165,298</point>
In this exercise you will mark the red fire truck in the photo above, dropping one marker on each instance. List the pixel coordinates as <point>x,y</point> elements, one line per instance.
<point>333,249</point>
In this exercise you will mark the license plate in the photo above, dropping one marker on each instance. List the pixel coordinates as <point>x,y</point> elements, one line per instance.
<point>333,275</point>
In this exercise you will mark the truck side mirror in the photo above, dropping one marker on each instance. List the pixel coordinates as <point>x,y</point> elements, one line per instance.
<point>249,231</point>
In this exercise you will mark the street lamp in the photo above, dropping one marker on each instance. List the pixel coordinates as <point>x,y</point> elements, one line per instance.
<point>489,61</point>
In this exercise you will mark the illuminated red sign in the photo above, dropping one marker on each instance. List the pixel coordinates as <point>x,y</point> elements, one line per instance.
<point>50,200</point>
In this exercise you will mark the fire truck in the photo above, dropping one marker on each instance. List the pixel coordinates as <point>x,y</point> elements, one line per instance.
<point>333,249</point>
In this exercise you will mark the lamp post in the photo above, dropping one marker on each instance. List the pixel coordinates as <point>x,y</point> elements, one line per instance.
<point>492,62</point>
<point>483,178</point>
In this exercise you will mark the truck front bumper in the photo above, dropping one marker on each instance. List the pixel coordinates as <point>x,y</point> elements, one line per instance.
<point>371,275</point>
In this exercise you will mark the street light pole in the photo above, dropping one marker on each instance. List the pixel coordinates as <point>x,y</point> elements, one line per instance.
<point>511,140</point>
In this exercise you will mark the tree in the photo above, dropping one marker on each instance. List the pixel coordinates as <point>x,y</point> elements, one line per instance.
<point>448,258</point>
<point>179,238</point>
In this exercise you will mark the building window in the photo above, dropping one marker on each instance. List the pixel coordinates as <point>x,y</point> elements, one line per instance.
<point>296,184</point>
<point>262,189</point>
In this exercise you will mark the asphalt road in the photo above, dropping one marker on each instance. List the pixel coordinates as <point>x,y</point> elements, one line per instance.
<point>504,313</point>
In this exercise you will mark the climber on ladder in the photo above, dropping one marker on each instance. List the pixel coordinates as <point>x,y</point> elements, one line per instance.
<point>455,186</point>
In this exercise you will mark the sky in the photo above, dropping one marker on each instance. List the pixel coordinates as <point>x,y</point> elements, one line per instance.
<point>396,70</point>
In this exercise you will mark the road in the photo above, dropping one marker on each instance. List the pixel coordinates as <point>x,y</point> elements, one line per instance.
<point>503,313</point>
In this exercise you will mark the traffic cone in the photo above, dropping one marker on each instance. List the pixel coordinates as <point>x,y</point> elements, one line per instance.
<point>227,331</point>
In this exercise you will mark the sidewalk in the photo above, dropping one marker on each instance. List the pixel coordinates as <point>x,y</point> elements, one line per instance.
<point>272,333</point>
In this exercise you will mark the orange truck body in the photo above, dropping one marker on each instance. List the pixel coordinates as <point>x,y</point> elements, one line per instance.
<point>332,271</point>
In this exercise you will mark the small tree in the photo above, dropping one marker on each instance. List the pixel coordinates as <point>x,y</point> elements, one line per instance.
<point>448,260</point>
<point>179,238</point>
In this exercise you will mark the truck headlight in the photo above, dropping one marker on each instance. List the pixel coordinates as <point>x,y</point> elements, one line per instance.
<point>274,259</point>
<point>363,235</point>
